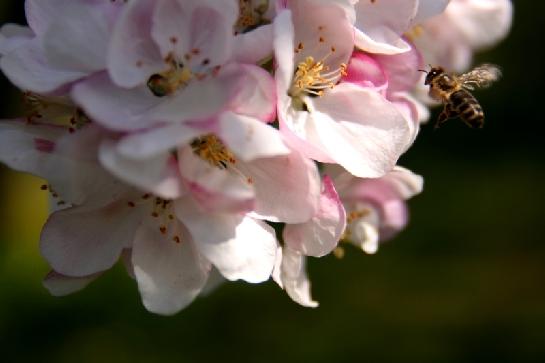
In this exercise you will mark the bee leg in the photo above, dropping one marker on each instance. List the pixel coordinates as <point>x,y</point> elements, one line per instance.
<point>447,113</point>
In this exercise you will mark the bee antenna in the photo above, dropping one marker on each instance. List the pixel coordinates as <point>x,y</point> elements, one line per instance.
<point>422,70</point>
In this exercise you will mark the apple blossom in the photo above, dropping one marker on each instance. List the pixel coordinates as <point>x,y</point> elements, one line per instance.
<point>207,141</point>
<point>375,208</point>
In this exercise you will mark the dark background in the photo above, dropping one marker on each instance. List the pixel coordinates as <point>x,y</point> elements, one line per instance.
<point>464,282</point>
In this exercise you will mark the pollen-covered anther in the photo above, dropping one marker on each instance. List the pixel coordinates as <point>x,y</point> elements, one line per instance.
<point>314,77</point>
<point>251,15</point>
<point>211,149</point>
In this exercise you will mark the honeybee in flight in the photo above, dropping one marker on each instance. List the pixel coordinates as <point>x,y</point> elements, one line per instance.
<point>453,91</point>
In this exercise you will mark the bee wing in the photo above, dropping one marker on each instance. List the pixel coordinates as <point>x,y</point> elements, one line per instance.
<point>480,77</point>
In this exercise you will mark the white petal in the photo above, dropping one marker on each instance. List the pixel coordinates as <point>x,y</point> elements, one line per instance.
<point>320,235</point>
<point>80,242</point>
<point>240,247</point>
<point>249,138</point>
<point>27,67</point>
<point>170,275</point>
<point>361,130</point>
<point>287,188</point>
<point>157,174</point>
<point>294,278</point>
<point>61,285</point>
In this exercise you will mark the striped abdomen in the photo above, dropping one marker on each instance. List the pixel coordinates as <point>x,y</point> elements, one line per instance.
<point>468,108</point>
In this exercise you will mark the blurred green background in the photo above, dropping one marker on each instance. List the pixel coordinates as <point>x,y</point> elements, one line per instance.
<point>464,283</point>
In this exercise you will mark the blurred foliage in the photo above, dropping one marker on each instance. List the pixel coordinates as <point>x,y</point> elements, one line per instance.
<point>463,283</point>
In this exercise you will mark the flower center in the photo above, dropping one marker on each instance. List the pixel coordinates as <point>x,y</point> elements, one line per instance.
<point>251,15</point>
<point>414,33</point>
<point>211,149</point>
<point>171,80</point>
<point>314,77</point>
<point>362,228</point>
<point>56,111</point>
<point>161,211</point>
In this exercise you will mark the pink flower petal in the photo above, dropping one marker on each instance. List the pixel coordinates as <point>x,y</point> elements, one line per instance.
<point>361,130</point>
<point>157,174</point>
<point>320,235</point>
<point>133,55</point>
<point>217,190</point>
<point>287,188</point>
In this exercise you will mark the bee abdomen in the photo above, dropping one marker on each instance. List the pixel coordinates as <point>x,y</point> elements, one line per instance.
<point>468,108</point>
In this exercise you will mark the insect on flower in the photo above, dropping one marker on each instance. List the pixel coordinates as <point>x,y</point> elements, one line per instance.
<point>453,91</point>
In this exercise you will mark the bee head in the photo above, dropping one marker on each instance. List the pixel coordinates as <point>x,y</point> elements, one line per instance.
<point>432,74</point>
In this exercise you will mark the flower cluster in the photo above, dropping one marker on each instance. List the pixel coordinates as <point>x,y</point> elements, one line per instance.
<point>192,139</point>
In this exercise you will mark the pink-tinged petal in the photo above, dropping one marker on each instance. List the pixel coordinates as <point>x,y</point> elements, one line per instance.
<point>287,188</point>
<point>406,183</point>
<point>199,100</point>
<point>76,174</point>
<point>249,138</point>
<point>254,46</point>
<point>365,71</point>
<point>27,68</point>
<point>240,247</point>
<point>149,143</point>
<point>61,285</point>
<point>314,29</point>
<point>283,44</point>
<point>170,275</point>
<point>170,28</point>
<point>215,189</point>
<point>253,92</point>
<point>202,30</point>
<point>395,216</point>
<point>379,25</point>
<point>78,40</point>
<point>40,14</point>
<point>23,146</point>
<point>401,69</point>
<point>408,107</point>
<point>67,161</point>
<point>133,55</point>
<point>83,242</point>
<point>298,127</point>
<point>13,36</point>
<point>157,174</point>
<point>428,9</point>
<point>101,100</point>
<point>361,130</point>
<point>400,183</point>
<point>320,235</point>
<point>292,277</point>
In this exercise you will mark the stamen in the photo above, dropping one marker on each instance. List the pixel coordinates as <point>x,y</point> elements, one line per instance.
<point>55,111</point>
<point>251,15</point>
<point>211,149</point>
<point>313,77</point>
